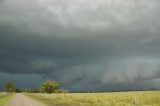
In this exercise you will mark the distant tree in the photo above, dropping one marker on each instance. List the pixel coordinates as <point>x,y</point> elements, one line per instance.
<point>17,90</point>
<point>9,87</point>
<point>34,90</point>
<point>49,86</point>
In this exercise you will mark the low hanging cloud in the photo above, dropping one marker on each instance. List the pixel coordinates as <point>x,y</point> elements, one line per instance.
<point>82,42</point>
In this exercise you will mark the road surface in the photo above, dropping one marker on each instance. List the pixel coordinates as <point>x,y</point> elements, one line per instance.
<point>22,100</point>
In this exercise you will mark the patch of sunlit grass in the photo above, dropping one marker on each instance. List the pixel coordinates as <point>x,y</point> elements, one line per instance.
<point>140,98</point>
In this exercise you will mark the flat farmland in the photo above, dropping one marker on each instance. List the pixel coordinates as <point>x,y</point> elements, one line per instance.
<point>137,98</point>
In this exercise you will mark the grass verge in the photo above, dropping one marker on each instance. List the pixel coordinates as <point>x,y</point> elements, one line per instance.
<point>5,97</point>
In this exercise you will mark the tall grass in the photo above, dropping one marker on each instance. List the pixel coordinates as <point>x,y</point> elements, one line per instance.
<point>139,98</point>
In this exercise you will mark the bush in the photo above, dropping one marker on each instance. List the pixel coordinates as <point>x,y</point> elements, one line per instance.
<point>49,86</point>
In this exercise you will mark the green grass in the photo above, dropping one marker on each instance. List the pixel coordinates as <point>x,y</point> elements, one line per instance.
<point>5,97</point>
<point>141,98</point>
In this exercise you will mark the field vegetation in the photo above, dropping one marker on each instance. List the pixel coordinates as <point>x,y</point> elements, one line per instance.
<point>5,97</point>
<point>138,98</point>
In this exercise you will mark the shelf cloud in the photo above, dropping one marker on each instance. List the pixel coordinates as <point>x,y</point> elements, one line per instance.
<point>83,44</point>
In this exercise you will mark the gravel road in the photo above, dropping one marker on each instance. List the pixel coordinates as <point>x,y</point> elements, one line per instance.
<point>22,100</point>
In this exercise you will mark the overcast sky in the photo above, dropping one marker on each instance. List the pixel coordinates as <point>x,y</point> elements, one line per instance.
<point>83,44</point>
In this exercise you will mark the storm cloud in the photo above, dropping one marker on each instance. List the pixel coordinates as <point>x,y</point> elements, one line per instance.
<point>83,44</point>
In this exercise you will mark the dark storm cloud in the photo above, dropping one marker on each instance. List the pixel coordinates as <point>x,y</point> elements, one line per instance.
<point>31,80</point>
<point>104,43</point>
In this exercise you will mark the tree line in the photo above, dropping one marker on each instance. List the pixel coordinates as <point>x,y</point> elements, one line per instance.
<point>48,86</point>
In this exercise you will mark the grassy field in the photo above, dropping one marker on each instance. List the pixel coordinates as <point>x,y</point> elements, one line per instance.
<point>4,97</point>
<point>139,98</point>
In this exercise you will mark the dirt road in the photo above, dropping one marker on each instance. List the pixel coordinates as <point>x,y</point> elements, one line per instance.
<point>22,100</point>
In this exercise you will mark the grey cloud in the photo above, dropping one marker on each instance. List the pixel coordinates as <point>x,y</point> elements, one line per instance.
<point>31,80</point>
<point>133,70</point>
<point>103,43</point>
<point>2,1</point>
